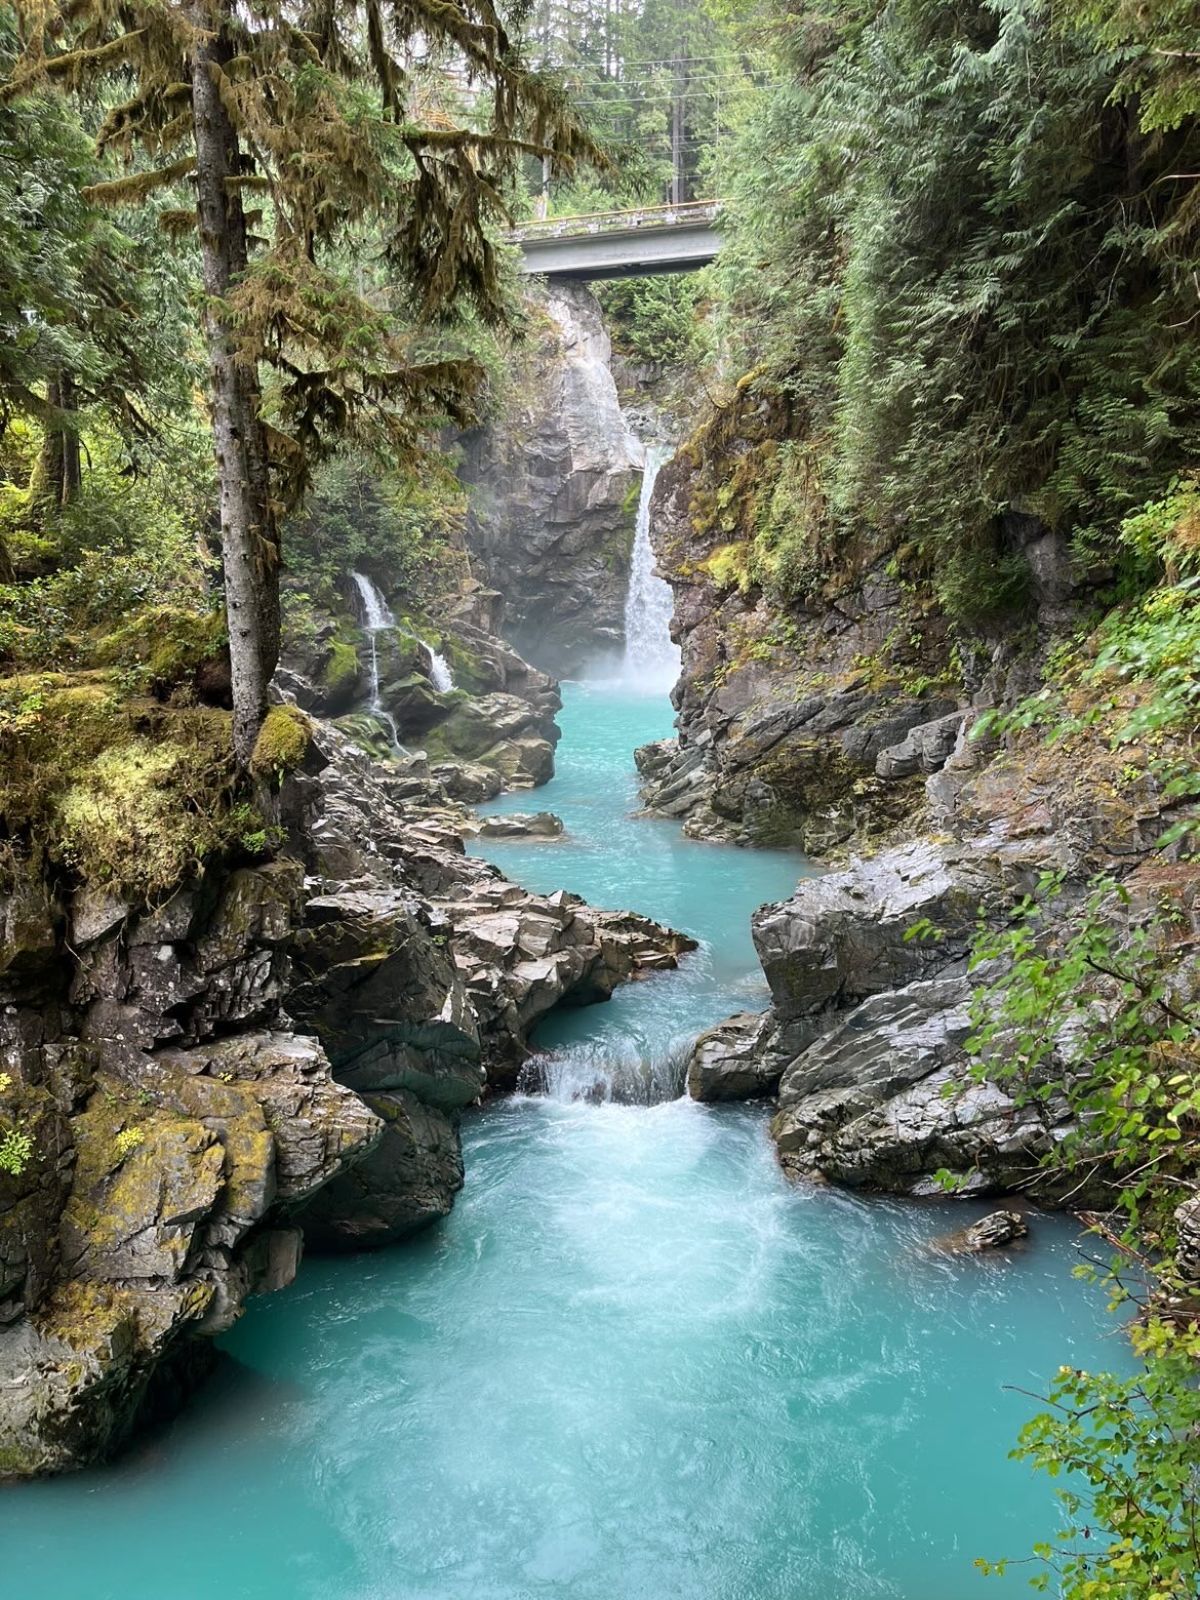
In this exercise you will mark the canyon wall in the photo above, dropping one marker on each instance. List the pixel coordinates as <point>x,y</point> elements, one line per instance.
<point>553,490</point>
<point>273,1050</point>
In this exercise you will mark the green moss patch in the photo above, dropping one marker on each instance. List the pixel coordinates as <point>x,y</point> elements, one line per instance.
<point>169,642</point>
<point>283,742</point>
<point>128,793</point>
<point>341,667</point>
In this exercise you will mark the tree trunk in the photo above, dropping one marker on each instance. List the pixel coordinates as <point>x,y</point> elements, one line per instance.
<point>72,474</point>
<point>57,477</point>
<point>678,182</point>
<point>47,485</point>
<point>249,543</point>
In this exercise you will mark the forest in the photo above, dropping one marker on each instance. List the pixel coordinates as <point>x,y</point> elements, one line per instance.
<point>840,602</point>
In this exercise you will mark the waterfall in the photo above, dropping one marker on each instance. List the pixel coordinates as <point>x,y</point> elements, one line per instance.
<point>440,675</point>
<point>651,660</point>
<point>376,615</point>
<point>611,1071</point>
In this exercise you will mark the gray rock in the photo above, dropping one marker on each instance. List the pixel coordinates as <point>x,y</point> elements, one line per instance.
<point>925,748</point>
<point>408,1181</point>
<point>889,1097</point>
<point>726,1063</point>
<point>995,1231</point>
<point>553,492</point>
<point>468,780</point>
<point>516,825</point>
<point>846,936</point>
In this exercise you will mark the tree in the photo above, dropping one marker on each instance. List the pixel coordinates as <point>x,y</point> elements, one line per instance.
<point>79,323</point>
<point>964,258</point>
<point>338,115</point>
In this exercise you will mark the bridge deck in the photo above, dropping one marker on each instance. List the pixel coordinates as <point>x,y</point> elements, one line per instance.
<point>621,244</point>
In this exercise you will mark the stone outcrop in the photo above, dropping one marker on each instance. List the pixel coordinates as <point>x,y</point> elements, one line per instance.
<point>819,686</point>
<point>553,487</point>
<point>727,1063</point>
<point>495,729</point>
<point>810,723</point>
<point>995,1231</point>
<point>277,1051</point>
<point>866,1036</point>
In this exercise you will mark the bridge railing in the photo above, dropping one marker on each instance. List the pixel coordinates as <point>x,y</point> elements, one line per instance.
<point>599,222</point>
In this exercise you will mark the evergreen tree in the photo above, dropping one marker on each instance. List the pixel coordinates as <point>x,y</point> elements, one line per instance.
<point>80,322</point>
<point>335,115</point>
<point>965,258</point>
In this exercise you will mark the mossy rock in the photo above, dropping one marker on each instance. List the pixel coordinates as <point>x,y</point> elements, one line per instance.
<point>283,742</point>
<point>144,1182</point>
<point>172,643</point>
<point>469,672</point>
<point>123,792</point>
<point>339,675</point>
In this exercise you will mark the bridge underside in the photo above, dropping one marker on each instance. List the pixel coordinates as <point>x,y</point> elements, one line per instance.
<point>629,253</point>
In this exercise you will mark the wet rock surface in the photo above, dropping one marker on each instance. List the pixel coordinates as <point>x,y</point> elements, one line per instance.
<point>554,492</point>
<point>995,1231</point>
<point>872,1004</point>
<point>727,1064</point>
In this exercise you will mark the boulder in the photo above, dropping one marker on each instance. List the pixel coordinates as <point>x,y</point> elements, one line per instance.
<point>516,825</point>
<point>726,1064</point>
<point>995,1231</point>
<point>877,926</point>
<point>408,1181</point>
<point>468,781</point>
<point>889,1097</point>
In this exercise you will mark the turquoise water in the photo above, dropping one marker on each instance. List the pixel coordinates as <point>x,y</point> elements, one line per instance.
<point>632,1365</point>
<point>613,857</point>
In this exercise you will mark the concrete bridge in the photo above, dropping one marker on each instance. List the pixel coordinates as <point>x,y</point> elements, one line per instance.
<point>621,244</point>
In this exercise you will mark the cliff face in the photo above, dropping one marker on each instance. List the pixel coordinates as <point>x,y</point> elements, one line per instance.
<point>842,717</point>
<point>820,684</point>
<point>553,489</point>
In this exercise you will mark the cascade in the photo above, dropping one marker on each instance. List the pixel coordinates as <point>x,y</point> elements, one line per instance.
<point>376,615</point>
<point>651,660</point>
<point>440,675</point>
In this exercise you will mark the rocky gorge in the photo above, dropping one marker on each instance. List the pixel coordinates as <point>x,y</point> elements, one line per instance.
<point>272,1054</point>
<point>828,700</point>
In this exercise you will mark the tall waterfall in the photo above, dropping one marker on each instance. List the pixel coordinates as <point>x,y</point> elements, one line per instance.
<point>651,660</point>
<point>376,615</point>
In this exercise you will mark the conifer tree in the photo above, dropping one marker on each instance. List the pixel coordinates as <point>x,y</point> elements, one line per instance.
<point>333,116</point>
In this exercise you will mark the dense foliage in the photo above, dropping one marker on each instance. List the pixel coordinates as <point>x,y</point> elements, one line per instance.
<point>954,243</point>
<point>1097,998</point>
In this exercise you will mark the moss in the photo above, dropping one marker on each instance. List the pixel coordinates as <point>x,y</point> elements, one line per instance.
<point>283,742</point>
<point>128,793</point>
<point>469,673</point>
<point>29,553</point>
<point>169,642</point>
<point>729,566</point>
<point>341,668</point>
<point>144,812</point>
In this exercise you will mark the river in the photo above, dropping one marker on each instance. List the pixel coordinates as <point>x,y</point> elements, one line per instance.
<point>634,1364</point>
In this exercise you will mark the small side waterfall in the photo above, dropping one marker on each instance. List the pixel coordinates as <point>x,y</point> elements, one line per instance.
<point>376,615</point>
<point>440,675</point>
<point>651,660</point>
